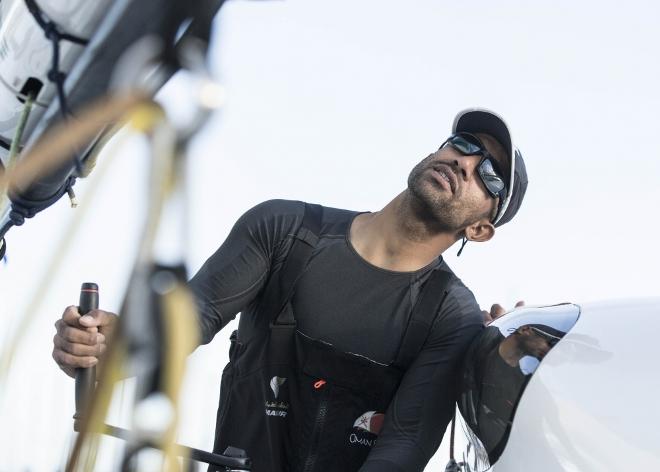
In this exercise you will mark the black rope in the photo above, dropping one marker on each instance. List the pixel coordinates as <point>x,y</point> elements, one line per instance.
<point>451,436</point>
<point>22,209</point>
<point>465,240</point>
<point>54,35</point>
<point>6,227</point>
<point>452,465</point>
<point>55,75</point>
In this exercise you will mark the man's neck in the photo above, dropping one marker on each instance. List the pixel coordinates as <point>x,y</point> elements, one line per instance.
<point>396,239</point>
<point>510,351</point>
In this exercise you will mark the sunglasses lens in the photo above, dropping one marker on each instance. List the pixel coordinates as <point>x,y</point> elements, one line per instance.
<point>464,145</point>
<point>492,180</point>
<point>470,145</point>
<point>551,340</point>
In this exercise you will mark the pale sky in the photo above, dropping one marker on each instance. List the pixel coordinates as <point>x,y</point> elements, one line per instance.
<point>334,102</point>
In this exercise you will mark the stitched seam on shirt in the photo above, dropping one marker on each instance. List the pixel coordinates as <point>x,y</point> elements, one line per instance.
<point>346,352</point>
<point>334,236</point>
<point>241,293</point>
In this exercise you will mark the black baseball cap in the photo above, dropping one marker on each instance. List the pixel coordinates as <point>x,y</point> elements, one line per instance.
<point>481,120</point>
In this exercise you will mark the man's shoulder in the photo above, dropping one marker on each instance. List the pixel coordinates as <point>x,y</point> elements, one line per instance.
<point>269,208</point>
<point>291,211</point>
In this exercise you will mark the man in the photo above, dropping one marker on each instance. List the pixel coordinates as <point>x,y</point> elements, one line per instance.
<point>368,383</point>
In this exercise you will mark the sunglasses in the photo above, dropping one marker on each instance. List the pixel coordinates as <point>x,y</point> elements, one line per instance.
<point>488,169</point>
<point>549,338</point>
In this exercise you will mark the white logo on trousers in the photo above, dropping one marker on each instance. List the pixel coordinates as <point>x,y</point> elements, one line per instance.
<point>275,383</point>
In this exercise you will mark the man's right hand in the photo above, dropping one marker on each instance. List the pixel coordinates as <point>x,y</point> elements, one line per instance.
<point>80,340</point>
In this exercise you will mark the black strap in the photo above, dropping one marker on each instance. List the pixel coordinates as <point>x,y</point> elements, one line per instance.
<point>303,244</point>
<point>54,34</point>
<point>424,313</point>
<point>283,326</point>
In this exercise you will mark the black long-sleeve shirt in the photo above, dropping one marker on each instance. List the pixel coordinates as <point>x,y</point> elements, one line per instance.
<point>359,308</point>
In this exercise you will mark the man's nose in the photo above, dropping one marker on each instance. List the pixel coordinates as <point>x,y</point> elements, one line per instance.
<point>466,165</point>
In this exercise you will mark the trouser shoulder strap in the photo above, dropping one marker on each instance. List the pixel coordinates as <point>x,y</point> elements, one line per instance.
<point>283,324</point>
<point>296,260</point>
<point>280,285</point>
<point>424,313</point>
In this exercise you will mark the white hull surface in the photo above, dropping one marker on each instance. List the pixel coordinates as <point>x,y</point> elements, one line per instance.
<point>592,405</point>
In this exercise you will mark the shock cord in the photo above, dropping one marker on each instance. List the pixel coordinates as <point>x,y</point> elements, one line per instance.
<point>55,75</point>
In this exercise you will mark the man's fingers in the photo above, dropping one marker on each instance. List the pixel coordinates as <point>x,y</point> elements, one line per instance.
<point>71,315</point>
<point>66,360</point>
<point>78,335</point>
<point>93,319</point>
<point>77,349</point>
<point>78,342</point>
<point>497,310</point>
<point>97,318</point>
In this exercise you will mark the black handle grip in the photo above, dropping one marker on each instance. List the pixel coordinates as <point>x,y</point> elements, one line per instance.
<point>85,377</point>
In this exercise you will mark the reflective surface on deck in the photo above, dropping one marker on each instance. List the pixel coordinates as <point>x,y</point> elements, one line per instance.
<point>497,368</point>
<point>593,404</point>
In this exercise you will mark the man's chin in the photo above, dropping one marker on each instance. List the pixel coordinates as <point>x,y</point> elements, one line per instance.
<point>432,211</point>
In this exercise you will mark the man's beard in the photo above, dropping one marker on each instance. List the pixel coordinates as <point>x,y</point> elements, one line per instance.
<point>438,211</point>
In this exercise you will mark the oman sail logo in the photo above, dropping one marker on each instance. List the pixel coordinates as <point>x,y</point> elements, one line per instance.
<point>371,422</point>
<point>277,408</point>
<point>275,383</point>
<point>366,429</point>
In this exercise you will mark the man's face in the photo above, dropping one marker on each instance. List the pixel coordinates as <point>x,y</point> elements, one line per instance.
<point>532,344</point>
<point>448,188</point>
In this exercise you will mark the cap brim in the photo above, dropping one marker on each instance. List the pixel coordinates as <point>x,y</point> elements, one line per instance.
<point>480,120</point>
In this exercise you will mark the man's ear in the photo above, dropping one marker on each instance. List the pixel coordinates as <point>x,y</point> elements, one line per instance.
<point>481,231</point>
